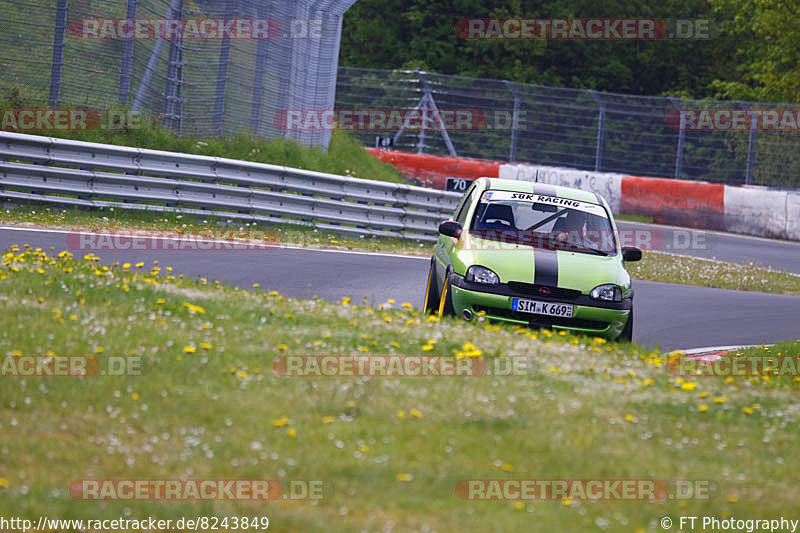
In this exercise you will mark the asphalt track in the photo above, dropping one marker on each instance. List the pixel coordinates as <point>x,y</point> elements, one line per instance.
<point>668,315</point>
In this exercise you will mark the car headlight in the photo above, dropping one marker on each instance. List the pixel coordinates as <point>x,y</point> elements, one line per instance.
<point>609,293</point>
<point>479,274</point>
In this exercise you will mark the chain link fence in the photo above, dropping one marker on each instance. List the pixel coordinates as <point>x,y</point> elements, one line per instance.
<point>201,67</point>
<point>716,141</point>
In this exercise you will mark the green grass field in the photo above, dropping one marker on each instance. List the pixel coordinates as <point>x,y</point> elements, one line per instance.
<point>388,451</point>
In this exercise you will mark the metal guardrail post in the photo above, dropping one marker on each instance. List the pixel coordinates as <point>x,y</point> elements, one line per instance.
<point>57,64</point>
<point>222,73</point>
<point>127,59</point>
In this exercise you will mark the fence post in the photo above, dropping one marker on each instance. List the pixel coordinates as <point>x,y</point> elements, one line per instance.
<point>173,86</point>
<point>258,79</point>
<point>222,73</point>
<point>751,146</point>
<point>601,126</point>
<point>151,63</point>
<point>681,138</point>
<point>57,64</point>
<point>127,59</point>
<point>512,154</point>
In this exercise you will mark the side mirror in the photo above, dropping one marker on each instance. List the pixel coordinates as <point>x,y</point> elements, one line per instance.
<point>631,253</point>
<point>450,228</point>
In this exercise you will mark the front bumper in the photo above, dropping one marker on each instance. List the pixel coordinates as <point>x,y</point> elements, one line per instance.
<point>591,317</point>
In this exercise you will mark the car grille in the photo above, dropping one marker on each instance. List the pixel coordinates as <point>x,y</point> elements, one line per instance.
<point>551,292</point>
<point>542,321</point>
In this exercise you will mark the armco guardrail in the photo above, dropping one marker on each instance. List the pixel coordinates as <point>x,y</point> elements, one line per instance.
<point>45,169</point>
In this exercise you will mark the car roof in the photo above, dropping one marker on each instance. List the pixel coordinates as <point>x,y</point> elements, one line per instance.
<point>499,184</point>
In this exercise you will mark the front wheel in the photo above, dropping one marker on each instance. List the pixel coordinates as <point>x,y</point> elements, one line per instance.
<point>446,301</point>
<point>431,293</point>
<point>627,332</point>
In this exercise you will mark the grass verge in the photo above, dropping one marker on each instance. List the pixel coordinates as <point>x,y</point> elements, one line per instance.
<point>672,268</point>
<point>389,451</point>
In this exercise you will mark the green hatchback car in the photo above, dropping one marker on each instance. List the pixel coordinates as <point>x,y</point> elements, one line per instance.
<point>533,254</point>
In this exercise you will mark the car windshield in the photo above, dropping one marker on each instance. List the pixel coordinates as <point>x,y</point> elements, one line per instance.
<point>544,221</point>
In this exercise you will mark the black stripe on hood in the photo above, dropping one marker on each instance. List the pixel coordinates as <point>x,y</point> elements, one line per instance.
<point>545,271</point>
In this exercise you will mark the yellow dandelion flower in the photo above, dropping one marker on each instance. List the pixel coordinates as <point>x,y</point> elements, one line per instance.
<point>415,413</point>
<point>629,418</point>
<point>346,300</point>
<point>363,448</point>
<point>280,422</point>
<point>755,406</point>
<point>506,467</point>
<point>702,394</point>
<point>747,410</point>
<point>327,420</point>
<point>281,347</point>
<point>394,344</point>
<point>519,506</point>
<point>404,477</point>
<point>189,349</point>
<point>401,415</point>
<point>702,408</point>
<point>3,483</point>
<point>256,285</point>
<point>689,385</point>
<point>99,349</point>
<point>732,498</point>
<point>139,264</point>
<point>647,382</point>
<point>720,399</point>
<point>194,308</point>
<point>566,502</point>
<point>206,345</point>
<point>292,433</point>
<point>160,301</point>
<point>135,396</point>
<point>562,333</point>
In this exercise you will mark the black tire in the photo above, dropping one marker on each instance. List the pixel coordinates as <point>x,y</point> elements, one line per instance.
<point>431,304</point>
<point>445,300</point>
<point>627,332</point>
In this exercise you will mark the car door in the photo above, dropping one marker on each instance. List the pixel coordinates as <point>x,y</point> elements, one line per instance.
<point>443,252</point>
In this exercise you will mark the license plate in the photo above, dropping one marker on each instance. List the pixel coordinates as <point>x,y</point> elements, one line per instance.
<point>535,307</point>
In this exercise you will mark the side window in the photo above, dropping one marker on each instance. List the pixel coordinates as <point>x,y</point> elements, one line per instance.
<point>464,209</point>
